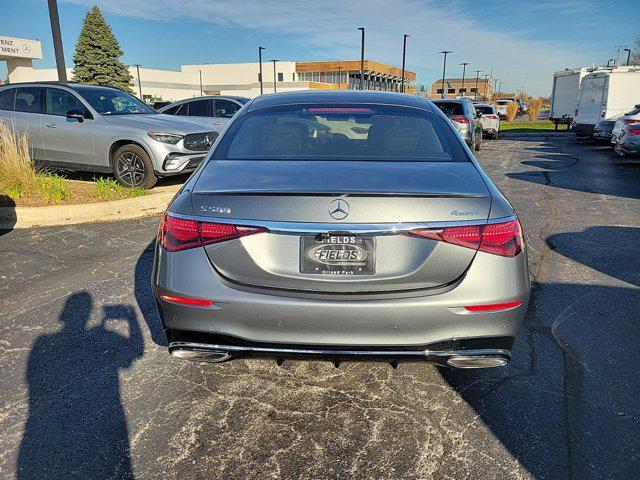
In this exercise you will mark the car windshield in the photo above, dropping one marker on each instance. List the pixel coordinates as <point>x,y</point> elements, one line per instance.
<point>109,101</point>
<point>340,132</point>
<point>484,109</point>
<point>450,108</point>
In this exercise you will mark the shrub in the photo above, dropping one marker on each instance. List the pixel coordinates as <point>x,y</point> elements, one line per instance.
<point>18,173</point>
<point>535,105</point>
<point>512,111</point>
<point>106,187</point>
<point>53,187</point>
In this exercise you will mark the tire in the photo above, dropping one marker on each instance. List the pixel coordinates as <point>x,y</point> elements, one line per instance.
<point>132,167</point>
<point>496,136</point>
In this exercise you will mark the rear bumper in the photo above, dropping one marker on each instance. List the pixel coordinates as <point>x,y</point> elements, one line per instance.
<point>583,129</point>
<point>341,322</point>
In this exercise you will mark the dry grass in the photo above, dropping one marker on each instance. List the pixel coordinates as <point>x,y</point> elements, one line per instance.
<point>535,105</point>
<point>18,173</point>
<point>512,111</point>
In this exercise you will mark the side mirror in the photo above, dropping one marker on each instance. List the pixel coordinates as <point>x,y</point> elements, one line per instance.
<point>75,113</point>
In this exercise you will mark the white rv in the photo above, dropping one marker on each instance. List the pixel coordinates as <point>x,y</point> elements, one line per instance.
<point>564,94</point>
<point>606,94</point>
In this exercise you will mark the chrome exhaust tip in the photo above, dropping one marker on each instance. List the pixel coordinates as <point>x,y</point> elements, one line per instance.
<point>479,361</point>
<point>211,356</point>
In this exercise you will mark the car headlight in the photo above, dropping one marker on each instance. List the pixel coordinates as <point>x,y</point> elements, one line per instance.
<point>171,138</point>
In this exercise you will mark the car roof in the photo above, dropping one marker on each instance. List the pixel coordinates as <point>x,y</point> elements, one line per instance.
<point>483,104</point>
<point>450,100</point>
<point>340,96</point>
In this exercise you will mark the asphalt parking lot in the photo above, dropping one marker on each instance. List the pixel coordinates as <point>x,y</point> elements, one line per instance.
<point>88,390</point>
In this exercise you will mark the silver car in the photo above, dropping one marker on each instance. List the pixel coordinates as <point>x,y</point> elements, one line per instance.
<point>341,225</point>
<point>628,118</point>
<point>464,118</point>
<point>213,110</point>
<point>102,129</point>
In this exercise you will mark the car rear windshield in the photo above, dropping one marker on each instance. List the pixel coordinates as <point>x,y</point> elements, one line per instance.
<point>450,108</point>
<point>484,109</point>
<point>340,132</point>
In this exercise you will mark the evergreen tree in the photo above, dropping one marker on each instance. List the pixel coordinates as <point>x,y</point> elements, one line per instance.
<point>97,55</point>
<point>635,56</point>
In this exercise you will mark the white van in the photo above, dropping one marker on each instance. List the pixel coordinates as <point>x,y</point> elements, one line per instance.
<point>606,94</point>
<point>564,94</point>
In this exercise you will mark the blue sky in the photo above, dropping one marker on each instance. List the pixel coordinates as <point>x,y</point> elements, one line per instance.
<point>522,41</point>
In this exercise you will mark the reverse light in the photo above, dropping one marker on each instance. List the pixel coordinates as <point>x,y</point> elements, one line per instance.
<point>495,307</point>
<point>181,234</point>
<point>193,302</point>
<point>171,138</point>
<point>460,119</point>
<point>504,238</point>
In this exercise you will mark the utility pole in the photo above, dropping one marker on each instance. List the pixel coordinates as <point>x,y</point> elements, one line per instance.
<point>362,59</point>
<point>619,47</point>
<point>475,94</point>
<point>201,92</point>
<point>274,75</point>
<point>260,49</point>
<point>339,76</point>
<point>137,65</point>
<point>464,68</point>
<point>444,69</point>
<point>628,50</point>
<point>57,40</point>
<point>404,54</point>
<point>486,86</point>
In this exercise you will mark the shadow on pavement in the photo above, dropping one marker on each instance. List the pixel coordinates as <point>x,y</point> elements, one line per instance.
<point>144,296</point>
<point>567,404</point>
<point>77,426</point>
<point>7,214</point>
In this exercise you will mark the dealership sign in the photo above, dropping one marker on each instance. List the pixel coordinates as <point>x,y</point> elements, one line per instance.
<point>19,48</point>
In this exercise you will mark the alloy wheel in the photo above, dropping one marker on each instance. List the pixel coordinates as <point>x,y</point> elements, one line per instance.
<point>131,169</point>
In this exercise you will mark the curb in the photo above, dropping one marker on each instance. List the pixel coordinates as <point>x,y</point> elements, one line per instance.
<point>27,217</point>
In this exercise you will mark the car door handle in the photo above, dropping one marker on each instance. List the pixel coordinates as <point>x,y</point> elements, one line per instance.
<point>50,125</point>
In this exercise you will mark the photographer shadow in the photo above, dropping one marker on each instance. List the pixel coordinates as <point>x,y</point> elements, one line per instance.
<point>77,426</point>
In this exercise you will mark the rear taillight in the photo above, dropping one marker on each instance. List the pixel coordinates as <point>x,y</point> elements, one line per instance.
<point>634,131</point>
<point>629,122</point>
<point>504,239</point>
<point>460,119</point>
<point>492,117</point>
<point>181,234</point>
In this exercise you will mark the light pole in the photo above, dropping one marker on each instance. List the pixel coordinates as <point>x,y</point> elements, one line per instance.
<point>486,87</point>
<point>475,94</point>
<point>361,59</point>
<point>404,55</point>
<point>137,65</point>
<point>260,49</point>
<point>57,40</point>
<point>628,50</point>
<point>274,74</point>
<point>201,92</point>
<point>464,69</point>
<point>339,76</point>
<point>444,69</point>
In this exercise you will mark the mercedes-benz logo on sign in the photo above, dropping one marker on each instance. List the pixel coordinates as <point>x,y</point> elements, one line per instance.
<point>339,209</point>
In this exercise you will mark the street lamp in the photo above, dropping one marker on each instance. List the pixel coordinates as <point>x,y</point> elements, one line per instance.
<point>201,92</point>
<point>57,40</point>
<point>137,65</point>
<point>475,94</point>
<point>444,68</point>
<point>404,54</point>
<point>361,59</point>
<point>464,68</point>
<point>260,49</point>
<point>274,74</point>
<point>628,50</point>
<point>486,86</point>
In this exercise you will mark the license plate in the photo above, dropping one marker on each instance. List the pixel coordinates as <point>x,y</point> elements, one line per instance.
<point>337,255</point>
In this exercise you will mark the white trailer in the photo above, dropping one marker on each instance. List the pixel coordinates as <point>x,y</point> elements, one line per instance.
<point>606,94</point>
<point>564,94</point>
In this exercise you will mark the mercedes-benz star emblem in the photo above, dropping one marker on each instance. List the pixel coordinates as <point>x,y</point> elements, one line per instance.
<point>339,209</point>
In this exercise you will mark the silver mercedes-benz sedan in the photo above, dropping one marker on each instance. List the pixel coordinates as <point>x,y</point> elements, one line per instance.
<point>341,225</point>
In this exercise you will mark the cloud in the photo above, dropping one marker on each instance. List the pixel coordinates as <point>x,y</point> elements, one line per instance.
<point>327,29</point>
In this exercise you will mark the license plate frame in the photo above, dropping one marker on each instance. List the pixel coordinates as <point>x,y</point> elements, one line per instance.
<point>316,257</point>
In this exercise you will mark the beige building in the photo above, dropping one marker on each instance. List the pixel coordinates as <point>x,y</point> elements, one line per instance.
<point>242,79</point>
<point>455,88</point>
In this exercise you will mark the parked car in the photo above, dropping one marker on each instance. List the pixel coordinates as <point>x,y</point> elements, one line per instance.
<point>389,245</point>
<point>501,108</point>
<point>464,118</point>
<point>628,142</point>
<point>103,129</point>
<point>522,106</point>
<point>212,110</point>
<point>159,105</point>
<point>603,131</point>
<point>628,118</point>
<point>490,120</point>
